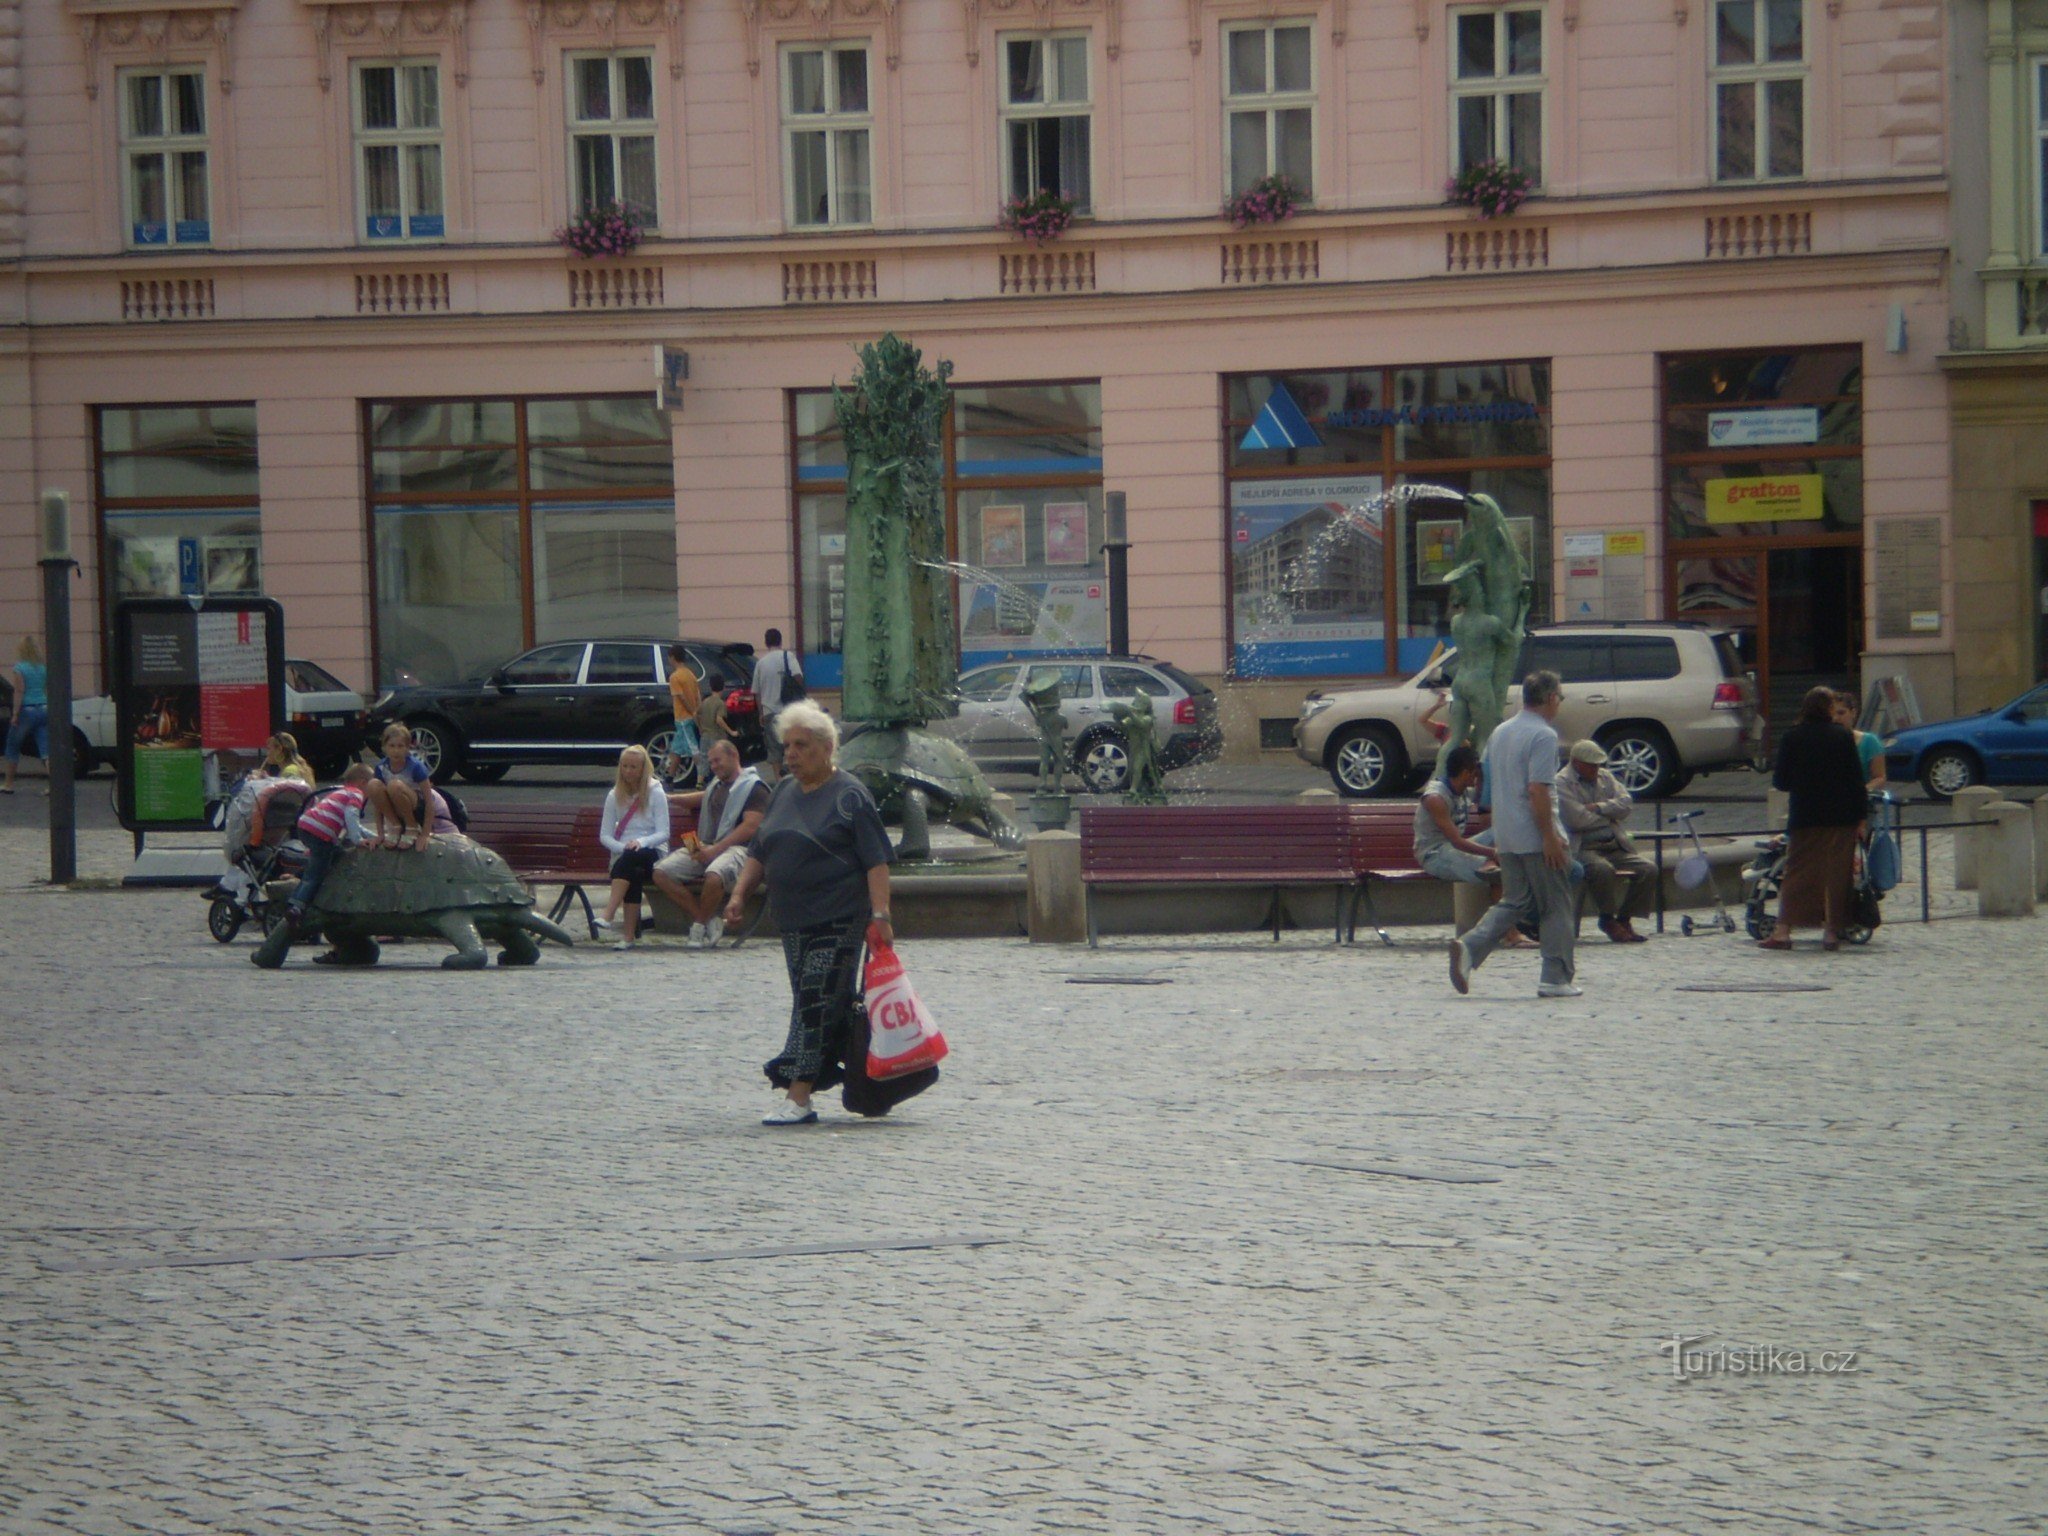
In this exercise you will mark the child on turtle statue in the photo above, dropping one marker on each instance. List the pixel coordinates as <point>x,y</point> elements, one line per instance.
<point>326,826</point>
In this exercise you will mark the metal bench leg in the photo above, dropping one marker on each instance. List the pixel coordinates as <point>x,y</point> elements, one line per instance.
<point>1372,914</point>
<point>1088,907</point>
<point>572,894</point>
<point>1276,914</point>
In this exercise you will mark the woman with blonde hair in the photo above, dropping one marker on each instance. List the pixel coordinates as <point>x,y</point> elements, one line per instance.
<point>635,832</point>
<point>31,709</point>
<point>281,760</point>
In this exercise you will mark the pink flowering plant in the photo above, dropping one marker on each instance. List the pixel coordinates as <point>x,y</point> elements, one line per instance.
<point>1042,216</point>
<point>609,229</point>
<point>1493,188</point>
<point>1266,201</point>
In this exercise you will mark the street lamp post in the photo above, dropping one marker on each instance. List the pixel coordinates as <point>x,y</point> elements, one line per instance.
<point>54,556</point>
<point>1116,554</point>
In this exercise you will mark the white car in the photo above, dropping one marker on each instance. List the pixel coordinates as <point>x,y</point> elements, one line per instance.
<point>326,716</point>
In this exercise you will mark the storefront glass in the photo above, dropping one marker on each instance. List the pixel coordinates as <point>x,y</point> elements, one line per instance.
<point>502,524</point>
<point>1023,485</point>
<point>1312,579</point>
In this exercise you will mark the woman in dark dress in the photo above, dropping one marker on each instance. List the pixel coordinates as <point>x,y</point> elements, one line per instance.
<point>825,857</point>
<point>1819,768</point>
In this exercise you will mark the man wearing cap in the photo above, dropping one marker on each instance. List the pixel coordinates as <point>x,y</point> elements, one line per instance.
<point>1594,805</point>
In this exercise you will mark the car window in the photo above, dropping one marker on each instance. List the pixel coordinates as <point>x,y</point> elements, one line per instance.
<point>1075,683</point>
<point>1129,682</point>
<point>550,664</point>
<point>617,662</point>
<point>988,683</point>
<point>1574,658</point>
<point>304,677</point>
<point>1189,684</point>
<point>1643,658</point>
<point>2034,706</point>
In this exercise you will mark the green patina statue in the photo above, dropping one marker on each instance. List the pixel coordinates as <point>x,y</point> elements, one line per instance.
<point>458,890</point>
<point>1044,704</point>
<point>1141,739</point>
<point>1490,607</point>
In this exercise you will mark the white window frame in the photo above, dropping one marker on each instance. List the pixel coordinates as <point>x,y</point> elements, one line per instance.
<point>613,128</point>
<point>1758,76</point>
<point>166,147</point>
<point>1273,102</point>
<point>831,122</point>
<point>404,138</point>
<point>1009,111</point>
<point>1501,85</point>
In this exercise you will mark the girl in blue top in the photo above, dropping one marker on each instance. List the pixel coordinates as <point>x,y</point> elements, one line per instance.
<point>399,792</point>
<point>31,708</point>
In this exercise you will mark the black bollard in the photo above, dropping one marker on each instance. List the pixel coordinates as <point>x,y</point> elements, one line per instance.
<point>57,567</point>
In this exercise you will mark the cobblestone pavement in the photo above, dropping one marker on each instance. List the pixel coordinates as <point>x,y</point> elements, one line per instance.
<point>1294,1241</point>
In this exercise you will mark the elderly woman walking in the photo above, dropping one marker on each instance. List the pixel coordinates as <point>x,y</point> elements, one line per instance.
<point>1819,768</point>
<point>824,854</point>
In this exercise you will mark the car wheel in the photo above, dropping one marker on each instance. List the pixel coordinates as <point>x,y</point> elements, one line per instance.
<point>223,921</point>
<point>1949,770</point>
<point>81,756</point>
<point>1104,763</point>
<point>435,743</point>
<point>656,739</point>
<point>1366,760</point>
<point>485,773</point>
<point>1643,760</point>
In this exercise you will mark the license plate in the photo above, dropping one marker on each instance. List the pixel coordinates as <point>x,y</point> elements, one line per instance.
<point>332,719</point>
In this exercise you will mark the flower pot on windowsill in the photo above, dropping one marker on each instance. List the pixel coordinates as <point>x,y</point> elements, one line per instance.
<point>610,229</point>
<point>1492,189</point>
<point>1269,200</point>
<point>1040,218</point>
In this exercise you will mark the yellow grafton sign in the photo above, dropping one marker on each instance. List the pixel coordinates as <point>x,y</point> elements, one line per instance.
<point>1764,499</point>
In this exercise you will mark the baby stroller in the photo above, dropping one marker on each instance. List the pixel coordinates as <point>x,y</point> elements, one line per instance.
<point>1874,872</point>
<point>261,816</point>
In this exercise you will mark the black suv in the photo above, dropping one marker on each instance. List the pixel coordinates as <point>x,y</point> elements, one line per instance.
<point>570,701</point>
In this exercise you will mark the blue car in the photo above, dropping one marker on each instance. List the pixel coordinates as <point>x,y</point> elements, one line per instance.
<point>2006,745</point>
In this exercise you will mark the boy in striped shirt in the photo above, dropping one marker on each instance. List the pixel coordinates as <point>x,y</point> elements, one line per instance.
<point>326,826</point>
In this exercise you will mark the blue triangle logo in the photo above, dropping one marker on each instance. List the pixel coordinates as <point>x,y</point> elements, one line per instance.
<point>1281,425</point>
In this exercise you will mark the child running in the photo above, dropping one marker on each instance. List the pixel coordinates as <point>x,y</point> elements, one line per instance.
<point>327,825</point>
<point>398,791</point>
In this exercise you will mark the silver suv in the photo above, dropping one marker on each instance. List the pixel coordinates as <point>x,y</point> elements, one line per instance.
<point>1667,701</point>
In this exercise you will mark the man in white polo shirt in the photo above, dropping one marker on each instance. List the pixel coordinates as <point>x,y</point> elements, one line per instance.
<point>1529,837</point>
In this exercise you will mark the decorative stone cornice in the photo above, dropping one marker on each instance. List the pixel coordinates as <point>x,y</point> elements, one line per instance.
<point>392,20</point>
<point>1046,14</point>
<point>1273,10</point>
<point>152,28</point>
<point>600,22</point>
<point>808,15</point>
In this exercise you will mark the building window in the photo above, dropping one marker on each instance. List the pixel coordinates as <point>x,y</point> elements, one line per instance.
<point>611,133</point>
<point>1759,81</point>
<point>398,150</point>
<point>499,525</point>
<point>1269,104</point>
<point>1023,477</point>
<point>1497,87</point>
<point>2041,156</point>
<point>163,142</point>
<point>1046,119</point>
<point>827,129</point>
<point>1325,578</point>
<point>178,505</point>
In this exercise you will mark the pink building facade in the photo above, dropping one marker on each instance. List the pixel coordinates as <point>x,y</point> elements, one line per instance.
<point>281,304</point>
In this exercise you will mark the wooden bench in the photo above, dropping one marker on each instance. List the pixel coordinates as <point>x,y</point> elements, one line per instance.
<point>1383,852</point>
<point>1277,846</point>
<point>550,844</point>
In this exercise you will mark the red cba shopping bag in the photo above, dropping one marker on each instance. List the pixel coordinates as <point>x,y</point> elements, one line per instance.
<point>901,1035</point>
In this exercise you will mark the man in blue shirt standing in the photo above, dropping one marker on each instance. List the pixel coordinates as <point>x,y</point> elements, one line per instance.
<point>1530,840</point>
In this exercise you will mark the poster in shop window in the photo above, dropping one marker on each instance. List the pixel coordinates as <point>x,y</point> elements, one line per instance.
<point>1308,577</point>
<point>1002,536</point>
<point>198,690</point>
<point>1066,533</point>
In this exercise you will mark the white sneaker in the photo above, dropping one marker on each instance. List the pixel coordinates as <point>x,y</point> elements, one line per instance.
<point>627,944</point>
<point>715,930</point>
<point>604,924</point>
<point>1461,967</point>
<point>697,936</point>
<point>789,1112</point>
<point>1558,989</point>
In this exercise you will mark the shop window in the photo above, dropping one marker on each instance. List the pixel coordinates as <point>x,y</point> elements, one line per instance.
<point>164,148</point>
<point>1759,89</point>
<point>1023,488</point>
<point>398,150</point>
<point>611,133</point>
<point>1046,118</point>
<point>178,501</point>
<point>503,524</point>
<point>1327,579</point>
<point>1269,104</point>
<point>1497,87</point>
<point>827,135</point>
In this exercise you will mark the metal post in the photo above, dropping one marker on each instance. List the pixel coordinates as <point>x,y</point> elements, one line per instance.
<point>1925,908</point>
<point>1116,553</point>
<point>57,567</point>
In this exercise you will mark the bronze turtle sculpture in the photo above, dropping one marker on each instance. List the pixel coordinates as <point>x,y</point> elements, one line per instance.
<point>457,890</point>
<point>906,769</point>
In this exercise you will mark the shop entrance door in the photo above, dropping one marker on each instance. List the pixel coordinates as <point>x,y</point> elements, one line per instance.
<point>1797,614</point>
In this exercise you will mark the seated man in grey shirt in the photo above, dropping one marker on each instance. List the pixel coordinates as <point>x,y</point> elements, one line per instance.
<point>1530,842</point>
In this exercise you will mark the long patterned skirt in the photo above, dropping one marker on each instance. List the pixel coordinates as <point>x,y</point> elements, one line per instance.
<point>1818,869</point>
